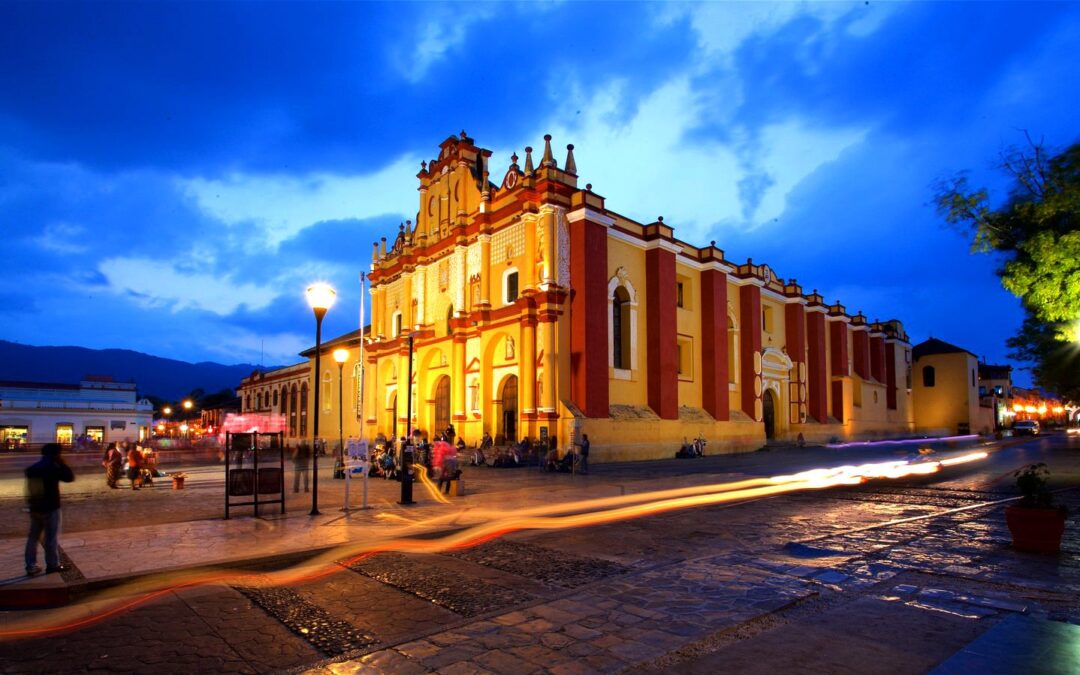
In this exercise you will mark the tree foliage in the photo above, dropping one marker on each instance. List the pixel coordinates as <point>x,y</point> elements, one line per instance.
<point>1037,229</point>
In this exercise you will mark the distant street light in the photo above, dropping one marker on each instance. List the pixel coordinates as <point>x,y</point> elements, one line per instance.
<point>340,355</point>
<point>167,410</point>
<point>188,404</point>
<point>320,297</point>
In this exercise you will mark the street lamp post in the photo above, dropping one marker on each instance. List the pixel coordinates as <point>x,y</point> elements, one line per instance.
<point>340,355</point>
<point>321,297</point>
<point>406,448</point>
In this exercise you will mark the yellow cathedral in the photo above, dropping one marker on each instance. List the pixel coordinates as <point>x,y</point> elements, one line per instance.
<point>530,309</point>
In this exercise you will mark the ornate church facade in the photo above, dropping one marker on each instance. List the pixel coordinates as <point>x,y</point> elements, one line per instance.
<point>534,310</point>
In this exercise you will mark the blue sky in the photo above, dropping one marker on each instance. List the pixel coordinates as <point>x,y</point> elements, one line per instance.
<point>173,175</point>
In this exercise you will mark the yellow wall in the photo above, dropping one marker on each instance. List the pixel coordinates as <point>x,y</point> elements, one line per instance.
<point>953,400</point>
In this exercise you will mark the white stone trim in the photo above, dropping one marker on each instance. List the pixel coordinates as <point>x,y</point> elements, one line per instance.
<point>590,214</point>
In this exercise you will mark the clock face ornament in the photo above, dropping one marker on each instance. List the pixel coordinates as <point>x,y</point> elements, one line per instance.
<point>511,180</point>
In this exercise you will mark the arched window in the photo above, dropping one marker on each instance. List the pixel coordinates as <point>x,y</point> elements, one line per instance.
<point>303,409</point>
<point>620,328</point>
<point>275,397</point>
<point>258,401</point>
<point>395,324</point>
<point>293,407</point>
<point>928,376</point>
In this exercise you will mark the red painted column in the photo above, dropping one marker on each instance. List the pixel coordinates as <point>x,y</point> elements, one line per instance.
<point>860,343</point>
<point>818,398</point>
<point>877,357</point>
<point>715,395</point>
<point>838,345</point>
<point>795,338</point>
<point>890,375</point>
<point>661,333</point>
<point>750,347</point>
<point>588,318</point>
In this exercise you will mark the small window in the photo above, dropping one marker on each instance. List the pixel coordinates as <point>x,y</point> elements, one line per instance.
<point>679,294</point>
<point>928,376</point>
<point>511,288</point>
<point>275,397</point>
<point>397,324</point>
<point>767,319</point>
<point>685,354</point>
<point>620,328</point>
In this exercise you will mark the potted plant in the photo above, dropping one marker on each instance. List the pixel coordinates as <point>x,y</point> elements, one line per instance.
<point>1035,523</point>
<point>178,480</point>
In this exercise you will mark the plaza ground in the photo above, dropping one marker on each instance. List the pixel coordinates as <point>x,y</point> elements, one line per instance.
<point>906,576</point>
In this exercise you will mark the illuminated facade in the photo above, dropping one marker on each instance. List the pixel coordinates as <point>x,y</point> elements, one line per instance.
<point>535,310</point>
<point>97,409</point>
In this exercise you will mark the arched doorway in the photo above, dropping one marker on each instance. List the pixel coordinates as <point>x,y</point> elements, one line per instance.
<point>442,405</point>
<point>392,409</point>
<point>768,406</point>
<point>509,396</point>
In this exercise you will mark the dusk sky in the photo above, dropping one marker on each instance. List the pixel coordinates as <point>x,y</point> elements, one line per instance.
<point>173,175</point>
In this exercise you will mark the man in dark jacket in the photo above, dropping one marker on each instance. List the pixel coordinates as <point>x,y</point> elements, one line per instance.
<point>43,494</point>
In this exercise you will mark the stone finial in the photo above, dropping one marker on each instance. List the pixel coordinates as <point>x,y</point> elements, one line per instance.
<point>464,135</point>
<point>712,244</point>
<point>548,159</point>
<point>423,167</point>
<point>513,160</point>
<point>528,160</point>
<point>375,251</point>
<point>660,219</point>
<point>570,166</point>
<point>588,187</point>
<point>382,247</point>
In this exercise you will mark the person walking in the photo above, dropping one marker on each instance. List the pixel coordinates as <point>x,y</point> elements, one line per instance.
<point>449,464</point>
<point>301,465</point>
<point>113,462</point>
<point>43,489</point>
<point>135,464</point>
<point>584,445</point>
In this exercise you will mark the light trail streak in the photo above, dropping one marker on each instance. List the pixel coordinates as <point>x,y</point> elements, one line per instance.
<point>903,441</point>
<point>496,523</point>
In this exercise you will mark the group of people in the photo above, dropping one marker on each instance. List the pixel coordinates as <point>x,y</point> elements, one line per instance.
<point>137,463</point>
<point>527,453</point>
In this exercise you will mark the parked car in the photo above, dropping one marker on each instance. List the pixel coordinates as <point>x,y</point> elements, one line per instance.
<point>1026,428</point>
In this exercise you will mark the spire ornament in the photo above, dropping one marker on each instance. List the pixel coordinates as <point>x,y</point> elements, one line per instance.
<point>570,166</point>
<point>549,159</point>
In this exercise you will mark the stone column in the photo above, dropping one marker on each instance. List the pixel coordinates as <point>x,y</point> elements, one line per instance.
<point>750,346</point>
<point>485,269</point>
<point>547,332</point>
<point>530,221</point>
<point>661,333</point>
<point>548,219</point>
<point>458,380</point>
<point>817,385</point>
<point>528,365</point>
<point>589,311</point>
<point>715,394</point>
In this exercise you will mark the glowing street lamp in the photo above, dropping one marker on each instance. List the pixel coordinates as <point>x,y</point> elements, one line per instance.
<point>340,356</point>
<point>167,410</point>
<point>188,404</point>
<point>320,297</point>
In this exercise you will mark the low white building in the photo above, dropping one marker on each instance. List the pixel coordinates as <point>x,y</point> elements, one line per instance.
<point>97,409</point>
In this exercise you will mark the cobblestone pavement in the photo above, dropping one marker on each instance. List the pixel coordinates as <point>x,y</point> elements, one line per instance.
<point>772,585</point>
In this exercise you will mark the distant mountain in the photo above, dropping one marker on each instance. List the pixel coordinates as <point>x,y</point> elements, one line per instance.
<point>166,378</point>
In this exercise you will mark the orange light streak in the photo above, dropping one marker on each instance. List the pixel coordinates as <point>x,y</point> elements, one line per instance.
<point>583,513</point>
